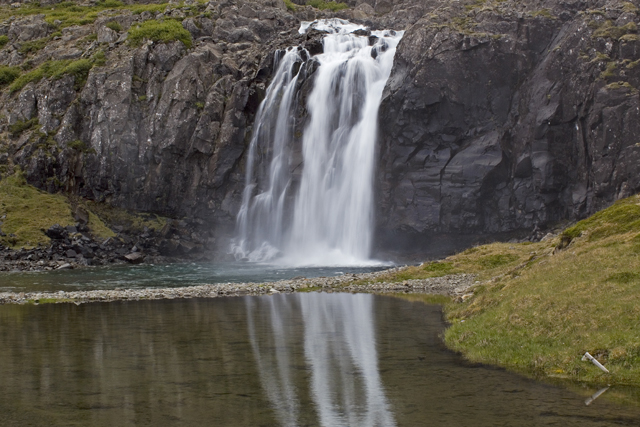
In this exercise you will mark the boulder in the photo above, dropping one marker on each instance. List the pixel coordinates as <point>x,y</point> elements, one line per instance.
<point>57,232</point>
<point>134,258</point>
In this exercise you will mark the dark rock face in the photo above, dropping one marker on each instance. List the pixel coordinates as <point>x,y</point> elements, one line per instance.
<point>508,120</point>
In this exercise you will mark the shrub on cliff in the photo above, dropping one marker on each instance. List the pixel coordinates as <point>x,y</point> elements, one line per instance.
<point>159,31</point>
<point>330,5</point>
<point>8,75</point>
<point>56,69</point>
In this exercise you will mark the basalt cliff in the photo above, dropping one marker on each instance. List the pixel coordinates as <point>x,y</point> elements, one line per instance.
<point>500,117</point>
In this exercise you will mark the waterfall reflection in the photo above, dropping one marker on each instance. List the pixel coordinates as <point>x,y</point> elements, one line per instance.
<point>338,333</point>
<point>272,353</point>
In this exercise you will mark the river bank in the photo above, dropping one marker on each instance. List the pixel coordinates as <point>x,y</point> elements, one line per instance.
<point>451,285</point>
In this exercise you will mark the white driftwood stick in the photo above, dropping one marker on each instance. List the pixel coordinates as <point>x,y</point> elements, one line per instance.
<point>593,360</point>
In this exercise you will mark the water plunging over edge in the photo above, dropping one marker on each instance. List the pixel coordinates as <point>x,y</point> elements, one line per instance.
<point>330,219</point>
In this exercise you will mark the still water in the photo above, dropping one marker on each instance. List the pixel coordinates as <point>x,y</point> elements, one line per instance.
<point>285,360</point>
<point>168,275</point>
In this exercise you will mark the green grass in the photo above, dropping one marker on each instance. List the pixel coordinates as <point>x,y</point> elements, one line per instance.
<point>49,300</point>
<point>20,126</point>
<point>540,317</point>
<point>324,5</point>
<point>610,30</point>
<point>114,26</point>
<point>31,76</point>
<point>29,211</point>
<point>537,308</point>
<point>32,46</point>
<point>80,146</point>
<point>610,71</point>
<point>118,216</point>
<point>8,75</point>
<point>70,13</point>
<point>56,69</point>
<point>485,261</point>
<point>159,31</point>
<point>424,298</point>
<point>622,217</point>
<point>3,41</point>
<point>546,13</point>
<point>290,5</point>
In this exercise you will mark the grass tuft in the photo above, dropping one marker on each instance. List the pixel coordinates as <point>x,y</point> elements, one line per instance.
<point>32,46</point>
<point>113,25</point>
<point>20,126</point>
<point>159,31</point>
<point>8,75</point>
<point>327,5</point>
<point>56,69</point>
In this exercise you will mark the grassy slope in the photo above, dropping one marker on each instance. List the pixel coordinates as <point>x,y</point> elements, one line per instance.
<point>538,312</point>
<point>29,211</point>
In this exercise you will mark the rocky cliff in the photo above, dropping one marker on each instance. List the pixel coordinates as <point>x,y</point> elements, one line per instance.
<point>499,116</point>
<point>505,115</point>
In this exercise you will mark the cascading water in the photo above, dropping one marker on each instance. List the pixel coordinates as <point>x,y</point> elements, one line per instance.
<point>330,219</point>
<point>260,219</point>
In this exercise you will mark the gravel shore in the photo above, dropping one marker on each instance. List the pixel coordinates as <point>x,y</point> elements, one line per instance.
<point>453,285</point>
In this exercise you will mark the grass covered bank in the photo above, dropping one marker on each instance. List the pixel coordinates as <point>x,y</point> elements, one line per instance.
<point>26,212</point>
<point>538,307</point>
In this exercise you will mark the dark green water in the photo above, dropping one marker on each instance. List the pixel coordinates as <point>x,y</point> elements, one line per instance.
<point>169,275</point>
<point>283,360</point>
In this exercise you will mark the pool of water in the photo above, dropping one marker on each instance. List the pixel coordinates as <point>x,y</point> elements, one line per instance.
<point>312,359</point>
<point>169,275</point>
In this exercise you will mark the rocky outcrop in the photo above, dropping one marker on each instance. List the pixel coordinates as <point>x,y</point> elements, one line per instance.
<point>505,116</point>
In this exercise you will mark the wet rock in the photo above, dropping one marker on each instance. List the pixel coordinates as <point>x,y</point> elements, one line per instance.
<point>121,251</point>
<point>134,258</point>
<point>81,215</point>
<point>57,232</point>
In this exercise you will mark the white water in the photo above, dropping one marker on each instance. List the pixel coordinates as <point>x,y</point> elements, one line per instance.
<point>330,220</point>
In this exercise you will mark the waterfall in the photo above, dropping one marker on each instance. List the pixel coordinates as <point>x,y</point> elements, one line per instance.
<point>329,220</point>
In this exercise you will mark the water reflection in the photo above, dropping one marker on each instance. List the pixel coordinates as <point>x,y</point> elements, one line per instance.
<point>284,360</point>
<point>272,350</point>
<point>340,347</point>
<point>340,352</point>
